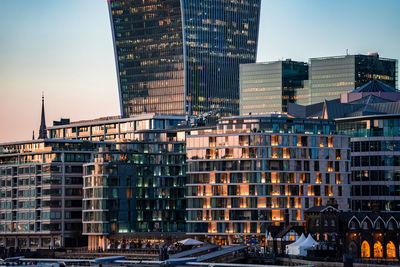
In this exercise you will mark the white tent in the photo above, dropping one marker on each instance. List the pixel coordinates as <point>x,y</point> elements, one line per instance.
<point>190,242</point>
<point>308,243</point>
<point>289,247</point>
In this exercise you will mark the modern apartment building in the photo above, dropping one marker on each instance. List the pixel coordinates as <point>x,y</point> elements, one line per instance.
<point>41,193</point>
<point>370,116</point>
<point>134,184</point>
<point>113,129</point>
<point>269,87</point>
<point>180,57</point>
<point>135,191</point>
<point>251,171</point>
<point>331,76</point>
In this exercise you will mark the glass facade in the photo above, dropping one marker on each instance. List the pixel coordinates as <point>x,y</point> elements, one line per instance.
<point>252,170</point>
<point>149,54</point>
<point>375,161</point>
<point>269,87</point>
<point>332,76</point>
<point>175,57</point>
<point>114,129</point>
<point>41,193</point>
<point>133,188</point>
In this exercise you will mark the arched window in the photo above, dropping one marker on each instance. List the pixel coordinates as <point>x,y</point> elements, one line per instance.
<point>316,222</point>
<point>391,225</point>
<point>332,222</point>
<point>390,250</point>
<point>325,222</point>
<point>365,250</point>
<point>378,225</point>
<point>353,249</point>
<point>353,225</point>
<point>365,225</point>
<point>378,250</point>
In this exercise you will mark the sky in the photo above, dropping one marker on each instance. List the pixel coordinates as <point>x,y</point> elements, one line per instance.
<point>64,49</point>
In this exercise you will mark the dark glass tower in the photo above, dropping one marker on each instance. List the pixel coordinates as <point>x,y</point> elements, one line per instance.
<point>181,56</point>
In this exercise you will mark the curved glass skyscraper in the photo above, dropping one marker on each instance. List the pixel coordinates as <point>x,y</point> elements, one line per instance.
<point>181,56</point>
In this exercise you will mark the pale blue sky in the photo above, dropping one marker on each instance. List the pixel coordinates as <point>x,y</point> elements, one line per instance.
<point>64,48</point>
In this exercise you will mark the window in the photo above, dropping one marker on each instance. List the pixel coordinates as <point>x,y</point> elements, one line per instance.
<point>365,250</point>
<point>390,250</point>
<point>378,250</point>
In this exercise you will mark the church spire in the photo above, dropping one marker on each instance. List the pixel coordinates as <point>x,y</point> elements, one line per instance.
<point>42,129</point>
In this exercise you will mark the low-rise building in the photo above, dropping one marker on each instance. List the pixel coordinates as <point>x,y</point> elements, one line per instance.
<point>365,235</point>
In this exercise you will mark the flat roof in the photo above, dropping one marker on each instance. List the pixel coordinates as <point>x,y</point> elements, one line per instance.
<point>51,140</point>
<point>116,119</point>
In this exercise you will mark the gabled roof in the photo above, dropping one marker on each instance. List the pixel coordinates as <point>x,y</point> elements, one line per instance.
<point>375,86</point>
<point>281,231</point>
<point>321,209</point>
<point>372,216</point>
<point>371,99</point>
<point>333,110</point>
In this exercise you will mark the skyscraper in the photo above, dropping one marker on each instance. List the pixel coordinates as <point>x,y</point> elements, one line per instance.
<point>332,76</point>
<point>269,87</point>
<point>176,57</point>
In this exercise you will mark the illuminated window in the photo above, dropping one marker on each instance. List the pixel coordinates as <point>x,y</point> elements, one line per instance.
<point>378,250</point>
<point>365,250</point>
<point>390,250</point>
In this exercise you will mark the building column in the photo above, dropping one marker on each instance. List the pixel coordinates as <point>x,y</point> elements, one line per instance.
<point>104,245</point>
<point>28,243</point>
<point>40,242</point>
<point>52,242</point>
<point>16,242</point>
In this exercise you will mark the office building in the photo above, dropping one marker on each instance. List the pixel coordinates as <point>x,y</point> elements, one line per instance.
<point>41,193</point>
<point>180,57</point>
<point>370,115</point>
<point>252,171</point>
<point>331,76</point>
<point>269,87</point>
